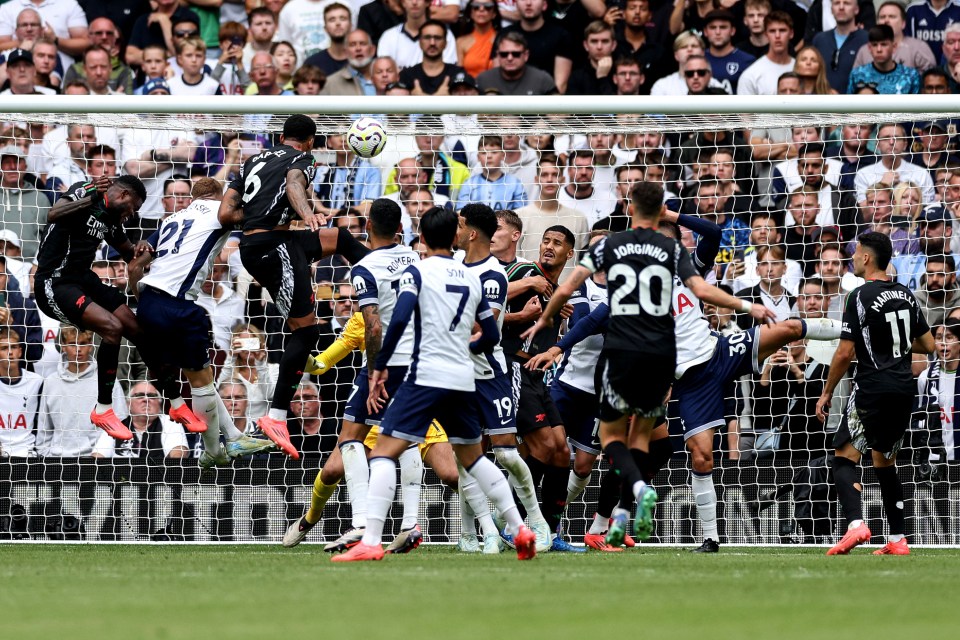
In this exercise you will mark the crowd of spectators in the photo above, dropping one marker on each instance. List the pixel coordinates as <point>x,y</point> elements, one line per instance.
<point>790,200</point>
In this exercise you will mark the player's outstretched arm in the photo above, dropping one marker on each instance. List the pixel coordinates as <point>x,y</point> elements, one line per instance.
<point>720,298</point>
<point>230,213</point>
<point>559,298</point>
<point>842,358</point>
<point>297,195</point>
<point>490,334</point>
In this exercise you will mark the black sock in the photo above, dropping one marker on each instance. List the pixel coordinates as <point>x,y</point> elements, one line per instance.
<point>891,491</point>
<point>300,344</point>
<point>626,469</point>
<point>609,493</point>
<point>553,498</point>
<point>168,382</point>
<point>537,470</point>
<point>349,247</point>
<point>108,355</point>
<point>642,460</point>
<point>660,453</point>
<point>845,476</point>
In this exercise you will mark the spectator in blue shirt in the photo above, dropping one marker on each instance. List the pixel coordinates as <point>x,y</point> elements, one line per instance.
<point>492,186</point>
<point>885,74</point>
<point>727,62</point>
<point>927,21</point>
<point>839,46</point>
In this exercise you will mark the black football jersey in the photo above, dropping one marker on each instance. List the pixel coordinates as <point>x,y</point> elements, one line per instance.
<point>262,181</point>
<point>69,245</point>
<point>883,318</point>
<point>510,340</point>
<point>640,266</point>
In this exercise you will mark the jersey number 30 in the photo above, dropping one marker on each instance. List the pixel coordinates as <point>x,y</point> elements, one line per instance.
<point>641,283</point>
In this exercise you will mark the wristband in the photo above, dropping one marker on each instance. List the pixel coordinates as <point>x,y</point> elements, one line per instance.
<point>746,306</point>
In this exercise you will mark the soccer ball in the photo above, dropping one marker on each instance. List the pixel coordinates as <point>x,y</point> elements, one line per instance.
<point>366,137</point>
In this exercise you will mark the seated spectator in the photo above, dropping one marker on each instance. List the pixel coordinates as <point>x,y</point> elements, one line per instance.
<point>22,75</point>
<point>17,268</point>
<point>697,150</point>
<point>233,392</point>
<point>935,81</point>
<point>891,167</point>
<point>47,63</point>
<point>595,76</point>
<point>770,291</point>
<point>626,176</point>
<point>310,431</point>
<point>906,210</point>
<point>229,70</point>
<point>409,176</point>
<point>492,186</point>
<point>19,398</point>
<point>165,25</point>
<point>154,434</point>
<point>728,62</point>
<point>308,81</point>
<point>191,58</point>
<point>909,51</point>
<point>432,75</point>
<point>377,16</point>
<point>64,22</point>
<point>546,211</point>
<point>337,24</point>
<point>938,292</point>
<point>742,273</point>
<point>762,76</point>
<point>72,168</point>
<point>263,74</point>
<point>350,182</point>
<point>811,69</point>
<point>285,57</point>
<point>400,42</point>
<point>546,40</point>
<point>475,47</point>
<point>355,79</point>
<point>582,191</point>
<point>697,75</point>
<point>154,66</point>
<point>852,152</point>
<point>104,34</point>
<point>800,240</point>
<point>301,23</point>
<point>518,160</point>
<point>821,175</point>
<point>262,32</point>
<point>64,429</point>
<point>24,210</point>
<point>886,74</point>
<point>930,21</point>
<point>685,45</point>
<point>247,363</point>
<point>841,44</point>
<point>514,77</point>
<point>446,174</point>
<point>96,71</point>
<point>933,138</point>
<point>627,77</point>
<point>221,302</point>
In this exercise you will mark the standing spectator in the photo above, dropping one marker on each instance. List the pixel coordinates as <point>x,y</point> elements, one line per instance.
<point>64,429</point>
<point>697,74</point>
<point>191,57</point>
<point>546,211</point>
<point>761,77</point>
<point>72,168</point>
<point>377,16</point>
<point>728,62</point>
<point>582,191</point>
<point>513,77</point>
<point>841,44</point>
<point>262,32</point>
<point>20,313</point>
<point>635,39</point>
<point>355,79</point>
<point>754,13</point>
<point>337,24</point>
<point>891,168</point>
<point>685,45</point>
<point>19,399</point>
<point>547,41</point>
<point>927,20</point>
<point>909,51</point>
<point>154,434</point>
<point>594,77</point>
<point>163,26</point>
<point>400,42</point>
<point>492,186</point>
<point>433,75</point>
<point>301,24</point>
<point>63,21</point>
<point>475,47</point>
<point>885,74</point>
<point>627,77</point>
<point>104,34</point>
<point>310,431</point>
<point>24,209</point>
<point>770,291</point>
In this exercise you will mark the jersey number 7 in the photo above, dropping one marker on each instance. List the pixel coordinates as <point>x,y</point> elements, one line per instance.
<point>464,293</point>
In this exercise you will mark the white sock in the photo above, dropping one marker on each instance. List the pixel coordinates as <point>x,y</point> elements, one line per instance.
<point>495,486</point>
<point>227,428</point>
<point>639,485</point>
<point>599,524</point>
<point>854,524</point>
<point>895,537</point>
<point>176,403</point>
<point>277,414</point>
<point>103,408</point>
<point>468,519</point>
<point>205,406</point>
<point>706,498</point>
<point>576,485</point>
<point>411,476</point>
<point>520,479</point>
<point>477,503</point>
<point>822,329</point>
<point>357,474</point>
<point>383,488</point>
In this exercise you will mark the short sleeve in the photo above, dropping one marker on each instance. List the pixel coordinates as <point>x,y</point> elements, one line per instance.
<point>237,183</point>
<point>307,164</point>
<point>154,239</point>
<point>850,318</point>
<point>117,237</point>
<point>365,285</point>
<point>410,281</point>
<point>920,325</point>
<point>494,285</point>
<point>593,258</point>
<point>685,267</point>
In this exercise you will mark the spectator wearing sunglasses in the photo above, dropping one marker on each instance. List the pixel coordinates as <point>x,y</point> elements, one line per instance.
<point>697,73</point>
<point>839,46</point>
<point>514,77</point>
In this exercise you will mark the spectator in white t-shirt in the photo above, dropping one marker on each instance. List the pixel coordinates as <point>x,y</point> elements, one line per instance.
<point>191,58</point>
<point>19,398</point>
<point>581,191</point>
<point>892,143</point>
<point>762,76</point>
<point>685,45</point>
<point>401,42</point>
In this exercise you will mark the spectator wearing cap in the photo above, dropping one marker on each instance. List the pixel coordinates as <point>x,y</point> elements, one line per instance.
<point>891,167</point>
<point>23,209</point>
<point>761,77</point>
<point>63,21</point>
<point>104,34</point>
<point>884,73</point>
<point>156,87</point>
<point>475,47</point>
<point>402,41</point>
<point>935,236</point>
<point>839,46</point>
<point>431,76</point>
<point>20,313</point>
<point>165,25</point>
<point>355,79</point>
<point>728,62</point>
<point>22,75</point>
<point>595,75</point>
<point>547,41</point>
<point>514,77</point>
<point>337,24</point>
<point>933,138</point>
<point>909,51</point>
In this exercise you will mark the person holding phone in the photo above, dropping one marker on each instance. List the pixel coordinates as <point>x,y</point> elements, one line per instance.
<point>229,71</point>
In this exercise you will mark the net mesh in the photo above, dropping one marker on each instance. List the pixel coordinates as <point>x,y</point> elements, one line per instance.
<point>61,479</point>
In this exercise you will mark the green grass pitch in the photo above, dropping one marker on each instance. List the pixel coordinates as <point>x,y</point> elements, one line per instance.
<point>237,592</point>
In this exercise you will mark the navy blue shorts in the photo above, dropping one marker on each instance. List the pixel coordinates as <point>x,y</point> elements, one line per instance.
<point>415,407</point>
<point>495,408</point>
<point>356,410</point>
<point>702,391</point>
<point>176,331</point>
<point>581,415</point>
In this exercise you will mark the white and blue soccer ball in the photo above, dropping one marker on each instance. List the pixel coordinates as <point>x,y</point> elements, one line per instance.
<point>366,137</point>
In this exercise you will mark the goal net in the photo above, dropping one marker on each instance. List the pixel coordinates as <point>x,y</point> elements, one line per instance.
<point>791,183</point>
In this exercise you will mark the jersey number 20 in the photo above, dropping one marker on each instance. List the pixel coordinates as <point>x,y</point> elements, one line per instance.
<point>641,283</point>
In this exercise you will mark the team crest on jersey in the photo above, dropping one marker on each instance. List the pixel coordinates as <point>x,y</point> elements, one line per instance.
<point>407,281</point>
<point>732,68</point>
<point>491,289</point>
<point>360,285</point>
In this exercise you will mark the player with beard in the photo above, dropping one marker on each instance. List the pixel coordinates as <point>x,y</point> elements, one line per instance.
<point>539,424</point>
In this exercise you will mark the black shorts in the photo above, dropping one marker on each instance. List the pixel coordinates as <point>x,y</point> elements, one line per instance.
<point>177,331</point>
<point>281,262</point>
<point>65,299</point>
<point>535,407</point>
<point>876,421</point>
<point>635,384</point>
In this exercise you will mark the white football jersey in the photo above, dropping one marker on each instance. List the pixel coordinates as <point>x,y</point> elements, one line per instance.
<point>581,363</point>
<point>376,279</point>
<point>493,279</point>
<point>695,341</point>
<point>185,246</point>
<point>19,403</point>
<point>448,297</point>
